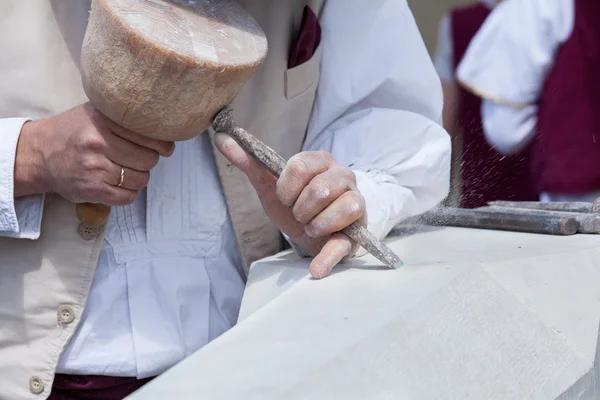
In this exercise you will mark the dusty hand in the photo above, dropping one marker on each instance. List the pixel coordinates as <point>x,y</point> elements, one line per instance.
<point>79,154</point>
<point>311,202</point>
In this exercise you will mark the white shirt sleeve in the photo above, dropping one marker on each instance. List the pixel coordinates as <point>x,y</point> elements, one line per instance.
<point>507,63</point>
<point>379,109</point>
<point>443,58</point>
<point>20,218</point>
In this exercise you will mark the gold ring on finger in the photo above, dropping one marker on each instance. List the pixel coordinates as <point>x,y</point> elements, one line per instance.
<point>122,177</point>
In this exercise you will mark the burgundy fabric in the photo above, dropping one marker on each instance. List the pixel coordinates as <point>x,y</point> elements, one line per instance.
<point>486,174</point>
<point>93,387</point>
<point>308,39</point>
<point>566,151</point>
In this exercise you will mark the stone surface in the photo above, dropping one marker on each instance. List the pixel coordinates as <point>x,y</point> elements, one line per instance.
<point>472,314</point>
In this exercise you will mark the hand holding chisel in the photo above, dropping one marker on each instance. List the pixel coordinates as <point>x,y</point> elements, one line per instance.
<point>275,164</point>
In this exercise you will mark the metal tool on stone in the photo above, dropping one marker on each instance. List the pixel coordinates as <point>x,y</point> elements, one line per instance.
<point>556,218</point>
<point>501,220</point>
<point>579,207</point>
<point>166,68</point>
<point>274,163</point>
<point>588,222</point>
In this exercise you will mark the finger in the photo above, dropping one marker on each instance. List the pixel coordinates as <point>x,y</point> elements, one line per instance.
<point>334,251</point>
<point>236,155</point>
<point>132,179</point>
<point>299,171</point>
<point>346,209</point>
<point>322,191</point>
<point>130,155</point>
<point>164,148</point>
<point>115,196</point>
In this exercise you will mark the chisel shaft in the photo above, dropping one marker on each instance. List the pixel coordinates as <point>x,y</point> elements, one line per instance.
<point>510,221</point>
<point>588,222</point>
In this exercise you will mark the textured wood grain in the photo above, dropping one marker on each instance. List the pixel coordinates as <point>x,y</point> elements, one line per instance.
<point>164,68</point>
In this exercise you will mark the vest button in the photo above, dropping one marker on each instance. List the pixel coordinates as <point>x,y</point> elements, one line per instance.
<point>36,385</point>
<point>88,232</point>
<point>65,314</point>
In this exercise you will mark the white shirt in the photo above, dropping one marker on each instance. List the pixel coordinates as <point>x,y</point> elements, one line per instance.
<point>168,278</point>
<point>444,54</point>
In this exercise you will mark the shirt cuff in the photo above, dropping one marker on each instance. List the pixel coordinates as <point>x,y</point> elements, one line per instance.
<point>376,187</point>
<point>19,218</point>
<point>507,129</point>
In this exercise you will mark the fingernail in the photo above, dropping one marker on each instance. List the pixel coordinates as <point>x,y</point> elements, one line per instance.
<point>318,272</point>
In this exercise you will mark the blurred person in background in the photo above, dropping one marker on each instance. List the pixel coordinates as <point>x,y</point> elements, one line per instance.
<point>480,173</point>
<point>536,64</point>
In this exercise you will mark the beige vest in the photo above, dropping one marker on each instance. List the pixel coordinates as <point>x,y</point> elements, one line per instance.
<point>44,283</point>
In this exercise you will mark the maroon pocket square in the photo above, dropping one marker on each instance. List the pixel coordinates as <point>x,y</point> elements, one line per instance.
<point>308,40</point>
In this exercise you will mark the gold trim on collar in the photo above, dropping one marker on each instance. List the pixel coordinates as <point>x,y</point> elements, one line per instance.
<point>491,97</point>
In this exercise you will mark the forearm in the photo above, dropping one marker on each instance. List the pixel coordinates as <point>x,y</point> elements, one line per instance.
<point>27,166</point>
<point>20,213</point>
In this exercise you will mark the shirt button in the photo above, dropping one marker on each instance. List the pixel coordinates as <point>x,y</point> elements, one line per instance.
<point>88,232</point>
<point>36,385</point>
<point>66,315</point>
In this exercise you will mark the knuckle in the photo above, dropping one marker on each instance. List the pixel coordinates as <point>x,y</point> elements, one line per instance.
<point>356,205</point>
<point>94,142</point>
<point>90,164</point>
<point>319,190</point>
<point>349,175</point>
<point>298,167</point>
<point>316,228</point>
<point>300,214</point>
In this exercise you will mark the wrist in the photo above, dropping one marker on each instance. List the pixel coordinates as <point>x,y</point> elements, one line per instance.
<point>29,162</point>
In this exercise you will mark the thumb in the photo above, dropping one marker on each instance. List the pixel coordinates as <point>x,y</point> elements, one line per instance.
<point>238,157</point>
